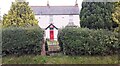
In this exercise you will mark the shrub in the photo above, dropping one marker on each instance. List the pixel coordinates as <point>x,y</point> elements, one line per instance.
<point>20,41</point>
<point>83,41</point>
<point>97,15</point>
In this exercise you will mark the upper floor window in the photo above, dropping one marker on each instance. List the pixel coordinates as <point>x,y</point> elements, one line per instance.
<point>39,17</point>
<point>51,18</point>
<point>70,18</point>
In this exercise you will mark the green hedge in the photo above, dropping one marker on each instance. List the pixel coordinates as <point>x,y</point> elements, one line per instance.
<point>83,41</point>
<point>20,41</point>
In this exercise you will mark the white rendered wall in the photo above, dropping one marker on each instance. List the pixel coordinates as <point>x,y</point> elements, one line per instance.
<point>59,21</point>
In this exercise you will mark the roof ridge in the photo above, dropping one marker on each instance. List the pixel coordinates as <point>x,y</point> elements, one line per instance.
<point>54,6</point>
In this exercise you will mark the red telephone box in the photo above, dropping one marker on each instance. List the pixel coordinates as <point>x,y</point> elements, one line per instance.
<point>51,27</point>
<point>51,32</point>
<point>51,35</point>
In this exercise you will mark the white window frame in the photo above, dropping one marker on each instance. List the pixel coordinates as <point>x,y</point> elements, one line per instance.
<point>51,18</point>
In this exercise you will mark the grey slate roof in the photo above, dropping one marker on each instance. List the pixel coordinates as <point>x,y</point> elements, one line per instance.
<point>55,10</point>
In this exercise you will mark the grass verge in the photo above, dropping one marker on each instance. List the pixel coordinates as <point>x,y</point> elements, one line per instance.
<point>60,59</point>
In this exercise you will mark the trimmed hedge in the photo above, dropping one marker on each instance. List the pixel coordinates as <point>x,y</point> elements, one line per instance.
<point>20,41</point>
<point>83,41</point>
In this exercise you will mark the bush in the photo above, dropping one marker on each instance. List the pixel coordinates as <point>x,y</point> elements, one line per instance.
<point>83,41</point>
<point>20,41</point>
<point>97,15</point>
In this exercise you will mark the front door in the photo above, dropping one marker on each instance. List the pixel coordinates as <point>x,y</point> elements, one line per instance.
<point>51,35</point>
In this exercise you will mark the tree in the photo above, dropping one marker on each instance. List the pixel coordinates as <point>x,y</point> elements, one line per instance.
<point>116,13</point>
<point>19,15</point>
<point>97,15</point>
<point>116,16</point>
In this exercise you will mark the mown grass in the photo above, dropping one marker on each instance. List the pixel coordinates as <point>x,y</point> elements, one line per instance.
<point>60,59</point>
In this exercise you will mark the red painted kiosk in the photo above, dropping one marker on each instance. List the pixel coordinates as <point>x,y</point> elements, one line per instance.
<point>51,27</point>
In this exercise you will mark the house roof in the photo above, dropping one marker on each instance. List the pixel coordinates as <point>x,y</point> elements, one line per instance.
<point>55,10</point>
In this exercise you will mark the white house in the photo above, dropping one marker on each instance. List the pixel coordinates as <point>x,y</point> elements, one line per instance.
<point>59,16</point>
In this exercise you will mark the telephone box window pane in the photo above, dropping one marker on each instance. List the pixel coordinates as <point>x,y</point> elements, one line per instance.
<point>51,35</point>
<point>51,28</point>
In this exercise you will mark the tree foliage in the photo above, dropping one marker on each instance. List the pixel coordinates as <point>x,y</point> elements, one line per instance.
<point>116,13</point>
<point>84,41</point>
<point>97,15</point>
<point>20,14</point>
<point>116,16</point>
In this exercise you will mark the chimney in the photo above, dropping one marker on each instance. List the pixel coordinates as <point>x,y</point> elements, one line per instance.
<point>76,4</point>
<point>48,3</point>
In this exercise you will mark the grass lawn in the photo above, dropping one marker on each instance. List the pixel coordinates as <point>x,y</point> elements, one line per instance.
<point>60,59</point>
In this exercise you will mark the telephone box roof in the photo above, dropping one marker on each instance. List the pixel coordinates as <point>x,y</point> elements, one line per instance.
<point>51,25</point>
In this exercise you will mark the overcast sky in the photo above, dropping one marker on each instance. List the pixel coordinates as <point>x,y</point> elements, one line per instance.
<point>5,4</point>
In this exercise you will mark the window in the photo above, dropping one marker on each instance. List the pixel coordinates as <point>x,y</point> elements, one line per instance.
<point>51,18</point>
<point>39,17</point>
<point>70,18</point>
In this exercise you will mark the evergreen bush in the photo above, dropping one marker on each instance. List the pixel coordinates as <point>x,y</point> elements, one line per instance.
<point>20,41</point>
<point>83,41</point>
